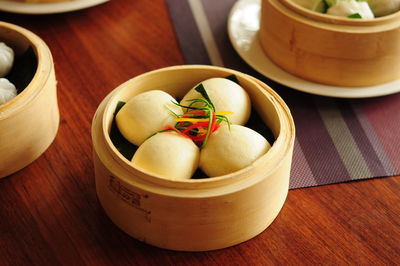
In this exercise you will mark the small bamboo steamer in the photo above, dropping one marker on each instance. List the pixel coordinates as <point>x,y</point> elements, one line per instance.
<point>197,214</point>
<point>331,50</point>
<point>29,122</point>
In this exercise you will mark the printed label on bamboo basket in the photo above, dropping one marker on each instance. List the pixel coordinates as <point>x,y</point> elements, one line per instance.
<point>128,196</point>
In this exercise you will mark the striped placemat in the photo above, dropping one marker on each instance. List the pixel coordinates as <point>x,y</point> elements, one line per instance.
<point>337,140</point>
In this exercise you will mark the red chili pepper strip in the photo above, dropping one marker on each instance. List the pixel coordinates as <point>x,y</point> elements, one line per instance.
<point>202,124</point>
<point>198,139</point>
<point>214,125</point>
<point>187,115</point>
<point>194,112</point>
<point>167,128</point>
<point>204,128</point>
<point>187,130</point>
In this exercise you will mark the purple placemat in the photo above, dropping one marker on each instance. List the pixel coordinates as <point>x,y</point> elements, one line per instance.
<point>337,140</point>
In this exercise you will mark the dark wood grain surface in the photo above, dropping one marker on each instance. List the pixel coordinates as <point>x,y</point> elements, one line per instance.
<point>49,212</point>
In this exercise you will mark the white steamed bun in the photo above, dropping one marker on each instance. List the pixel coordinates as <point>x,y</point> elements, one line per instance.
<point>226,95</point>
<point>228,150</point>
<point>168,155</point>
<point>145,114</point>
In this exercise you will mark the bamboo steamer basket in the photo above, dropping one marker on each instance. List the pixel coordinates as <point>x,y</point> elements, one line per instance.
<point>29,122</point>
<point>331,50</point>
<point>197,214</point>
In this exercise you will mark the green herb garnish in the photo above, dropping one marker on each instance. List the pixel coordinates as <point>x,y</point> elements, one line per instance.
<point>200,89</point>
<point>199,122</point>
<point>200,119</point>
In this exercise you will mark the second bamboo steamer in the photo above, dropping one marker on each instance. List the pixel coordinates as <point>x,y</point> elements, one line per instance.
<point>331,50</point>
<point>29,122</point>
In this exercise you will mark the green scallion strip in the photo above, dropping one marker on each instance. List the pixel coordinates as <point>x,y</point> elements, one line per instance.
<point>200,89</point>
<point>208,129</point>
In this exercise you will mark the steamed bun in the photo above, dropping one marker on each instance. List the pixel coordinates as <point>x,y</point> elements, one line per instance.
<point>229,150</point>
<point>145,114</point>
<point>226,95</point>
<point>168,155</point>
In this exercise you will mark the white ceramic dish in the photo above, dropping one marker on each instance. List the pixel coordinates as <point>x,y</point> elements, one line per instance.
<point>47,8</point>
<point>243,27</point>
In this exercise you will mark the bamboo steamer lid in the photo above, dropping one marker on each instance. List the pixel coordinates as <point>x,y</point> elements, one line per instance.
<point>331,50</point>
<point>196,214</point>
<point>28,122</point>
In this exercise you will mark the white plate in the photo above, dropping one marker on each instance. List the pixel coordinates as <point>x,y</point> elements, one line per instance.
<point>47,8</point>
<point>243,26</point>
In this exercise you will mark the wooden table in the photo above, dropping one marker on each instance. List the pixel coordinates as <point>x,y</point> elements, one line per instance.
<point>49,210</point>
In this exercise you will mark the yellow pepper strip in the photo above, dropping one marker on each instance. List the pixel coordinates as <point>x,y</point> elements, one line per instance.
<point>195,120</point>
<point>201,131</point>
<point>224,113</point>
<point>192,120</point>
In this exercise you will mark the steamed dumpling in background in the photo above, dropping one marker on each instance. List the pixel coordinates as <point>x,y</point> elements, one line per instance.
<point>314,5</point>
<point>345,8</point>
<point>168,155</point>
<point>231,149</point>
<point>7,91</point>
<point>226,95</point>
<point>6,59</point>
<point>384,7</point>
<point>145,114</point>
